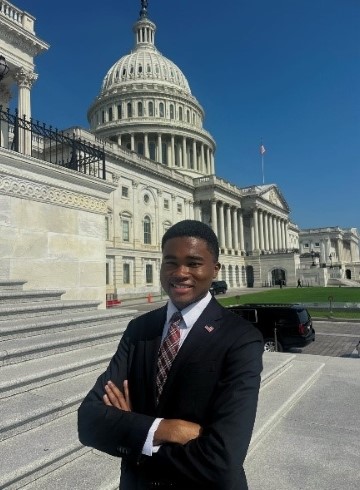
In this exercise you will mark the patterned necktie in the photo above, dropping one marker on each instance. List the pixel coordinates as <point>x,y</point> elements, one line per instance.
<point>167,352</point>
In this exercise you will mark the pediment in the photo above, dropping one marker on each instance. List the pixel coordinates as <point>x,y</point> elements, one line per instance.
<point>274,196</point>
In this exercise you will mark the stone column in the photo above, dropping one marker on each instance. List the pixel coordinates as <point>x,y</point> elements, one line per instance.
<point>271,232</point>
<point>241,230</point>
<point>132,142</point>
<point>252,233</point>
<point>235,234</point>
<point>119,140</point>
<point>222,225</point>
<point>286,235</point>
<point>261,222</point>
<point>256,230</point>
<point>195,162</point>
<point>185,160</point>
<point>228,228</point>
<point>197,210</point>
<point>172,164</point>
<point>159,145</point>
<point>212,166</point>
<point>5,97</point>
<point>208,160</point>
<point>146,145</point>
<point>25,80</point>
<point>214,217</point>
<point>191,210</point>
<point>266,230</point>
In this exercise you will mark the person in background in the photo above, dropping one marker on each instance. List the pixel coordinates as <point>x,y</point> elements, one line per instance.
<point>178,400</point>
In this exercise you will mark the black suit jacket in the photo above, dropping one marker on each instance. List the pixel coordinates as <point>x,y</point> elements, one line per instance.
<point>214,381</point>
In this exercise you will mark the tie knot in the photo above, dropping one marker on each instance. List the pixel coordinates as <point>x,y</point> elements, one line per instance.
<point>176,317</point>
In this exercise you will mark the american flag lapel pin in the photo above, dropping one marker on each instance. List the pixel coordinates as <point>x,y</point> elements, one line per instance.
<point>209,328</point>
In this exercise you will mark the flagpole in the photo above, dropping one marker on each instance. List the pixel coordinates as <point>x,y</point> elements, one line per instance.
<point>262,168</point>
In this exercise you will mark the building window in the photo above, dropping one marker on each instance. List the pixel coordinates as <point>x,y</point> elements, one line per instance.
<point>179,207</point>
<point>110,114</point>
<point>124,191</point>
<point>149,273</point>
<point>180,114</point>
<point>166,204</point>
<point>129,110</point>
<point>125,230</point>
<point>317,244</point>
<point>171,111</point>
<point>188,116</point>
<point>161,109</point>
<point>306,245</point>
<point>126,273</point>
<point>140,109</point>
<point>107,273</point>
<point>147,230</point>
<point>103,117</point>
<point>140,148</point>
<point>146,198</point>
<point>151,109</point>
<point>152,150</point>
<point>164,154</point>
<point>119,111</point>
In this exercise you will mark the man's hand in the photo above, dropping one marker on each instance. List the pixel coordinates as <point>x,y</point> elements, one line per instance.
<point>115,398</point>
<point>176,431</point>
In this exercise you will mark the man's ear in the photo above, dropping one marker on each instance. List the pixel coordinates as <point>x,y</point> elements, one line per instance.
<point>216,269</point>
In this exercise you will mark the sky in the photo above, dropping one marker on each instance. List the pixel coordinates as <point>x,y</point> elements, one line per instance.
<point>284,73</point>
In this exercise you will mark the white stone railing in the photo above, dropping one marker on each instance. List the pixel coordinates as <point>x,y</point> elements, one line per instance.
<point>224,184</point>
<point>16,15</point>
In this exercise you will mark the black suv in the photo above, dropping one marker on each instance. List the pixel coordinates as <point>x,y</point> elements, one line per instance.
<point>282,326</point>
<point>218,287</point>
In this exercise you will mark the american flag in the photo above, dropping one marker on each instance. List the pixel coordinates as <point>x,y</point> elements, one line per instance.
<point>262,149</point>
<point>209,328</point>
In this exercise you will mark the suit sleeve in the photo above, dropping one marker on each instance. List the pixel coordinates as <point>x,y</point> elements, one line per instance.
<point>212,459</point>
<point>109,429</point>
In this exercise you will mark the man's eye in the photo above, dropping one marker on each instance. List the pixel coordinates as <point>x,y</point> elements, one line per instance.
<point>194,264</point>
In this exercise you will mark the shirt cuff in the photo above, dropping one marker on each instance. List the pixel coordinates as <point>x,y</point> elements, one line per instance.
<point>148,447</point>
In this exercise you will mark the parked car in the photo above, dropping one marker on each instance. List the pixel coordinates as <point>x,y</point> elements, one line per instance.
<point>282,326</point>
<point>218,287</point>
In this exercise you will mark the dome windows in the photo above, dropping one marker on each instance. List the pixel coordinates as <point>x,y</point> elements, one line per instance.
<point>140,109</point>
<point>140,69</point>
<point>129,109</point>
<point>151,109</point>
<point>161,109</point>
<point>180,114</point>
<point>172,115</point>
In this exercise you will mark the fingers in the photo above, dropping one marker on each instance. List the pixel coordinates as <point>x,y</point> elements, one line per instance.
<point>114,397</point>
<point>127,395</point>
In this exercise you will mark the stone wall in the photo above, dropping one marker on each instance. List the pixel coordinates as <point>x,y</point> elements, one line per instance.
<point>52,230</point>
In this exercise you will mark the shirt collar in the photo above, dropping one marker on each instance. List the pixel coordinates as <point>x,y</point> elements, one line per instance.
<point>191,313</point>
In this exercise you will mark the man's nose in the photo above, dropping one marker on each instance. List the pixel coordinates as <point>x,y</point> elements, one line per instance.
<point>181,270</point>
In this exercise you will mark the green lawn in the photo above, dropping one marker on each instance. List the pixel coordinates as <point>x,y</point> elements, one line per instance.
<point>302,295</point>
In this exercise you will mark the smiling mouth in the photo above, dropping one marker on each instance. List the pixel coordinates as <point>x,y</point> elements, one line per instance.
<point>180,286</point>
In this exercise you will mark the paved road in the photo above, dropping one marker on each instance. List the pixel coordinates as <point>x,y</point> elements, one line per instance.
<point>335,339</point>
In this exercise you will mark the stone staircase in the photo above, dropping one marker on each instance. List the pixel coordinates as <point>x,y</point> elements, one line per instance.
<point>51,352</point>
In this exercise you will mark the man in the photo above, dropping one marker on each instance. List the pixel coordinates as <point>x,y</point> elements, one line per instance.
<point>184,422</point>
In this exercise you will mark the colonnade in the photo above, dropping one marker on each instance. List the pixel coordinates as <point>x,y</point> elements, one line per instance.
<point>171,150</point>
<point>246,231</point>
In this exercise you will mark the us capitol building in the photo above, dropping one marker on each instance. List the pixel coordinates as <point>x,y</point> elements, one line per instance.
<point>158,168</point>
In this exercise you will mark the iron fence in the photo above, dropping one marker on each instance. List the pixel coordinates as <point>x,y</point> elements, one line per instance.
<point>46,143</point>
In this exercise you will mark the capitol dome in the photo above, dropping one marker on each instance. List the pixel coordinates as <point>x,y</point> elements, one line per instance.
<point>145,105</point>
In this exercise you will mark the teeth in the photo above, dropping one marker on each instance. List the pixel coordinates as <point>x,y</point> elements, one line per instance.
<point>181,286</point>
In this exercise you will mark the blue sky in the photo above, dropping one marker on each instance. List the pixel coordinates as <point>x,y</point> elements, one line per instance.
<point>286,72</point>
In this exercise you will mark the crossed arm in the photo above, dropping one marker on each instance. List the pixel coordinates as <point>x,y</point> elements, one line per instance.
<point>169,430</point>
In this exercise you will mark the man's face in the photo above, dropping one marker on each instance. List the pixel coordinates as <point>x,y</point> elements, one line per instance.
<point>187,270</point>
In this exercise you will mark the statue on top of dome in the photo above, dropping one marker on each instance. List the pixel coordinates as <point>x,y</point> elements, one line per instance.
<point>143,11</point>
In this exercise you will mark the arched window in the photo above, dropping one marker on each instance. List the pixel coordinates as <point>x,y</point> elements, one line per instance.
<point>140,148</point>
<point>171,111</point>
<point>129,109</point>
<point>110,114</point>
<point>147,230</point>
<point>140,109</point>
<point>188,116</point>
<point>151,109</point>
<point>180,114</point>
<point>161,109</point>
<point>119,111</point>
<point>164,154</point>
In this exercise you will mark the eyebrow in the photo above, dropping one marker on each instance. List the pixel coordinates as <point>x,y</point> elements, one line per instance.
<point>191,257</point>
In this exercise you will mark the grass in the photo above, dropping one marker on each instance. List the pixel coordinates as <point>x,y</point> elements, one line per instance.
<point>303,295</point>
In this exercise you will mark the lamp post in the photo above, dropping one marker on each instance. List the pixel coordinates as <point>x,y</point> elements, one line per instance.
<point>4,67</point>
<point>331,264</point>
<point>312,253</point>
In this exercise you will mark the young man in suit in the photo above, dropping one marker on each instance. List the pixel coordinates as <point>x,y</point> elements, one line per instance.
<point>178,400</point>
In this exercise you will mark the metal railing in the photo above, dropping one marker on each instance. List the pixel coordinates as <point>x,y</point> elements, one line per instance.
<point>33,138</point>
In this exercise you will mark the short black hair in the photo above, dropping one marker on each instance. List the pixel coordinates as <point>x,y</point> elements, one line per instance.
<point>193,228</point>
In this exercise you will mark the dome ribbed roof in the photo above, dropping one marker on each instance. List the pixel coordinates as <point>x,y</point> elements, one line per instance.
<point>145,63</point>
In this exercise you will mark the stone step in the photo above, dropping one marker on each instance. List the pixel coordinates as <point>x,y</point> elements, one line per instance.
<point>10,297</point>
<point>282,391</point>
<point>26,348</point>
<point>17,328</point>
<point>9,285</point>
<point>34,309</point>
<point>36,452</point>
<point>91,471</point>
<point>30,409</point>
<point>27,375</point>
